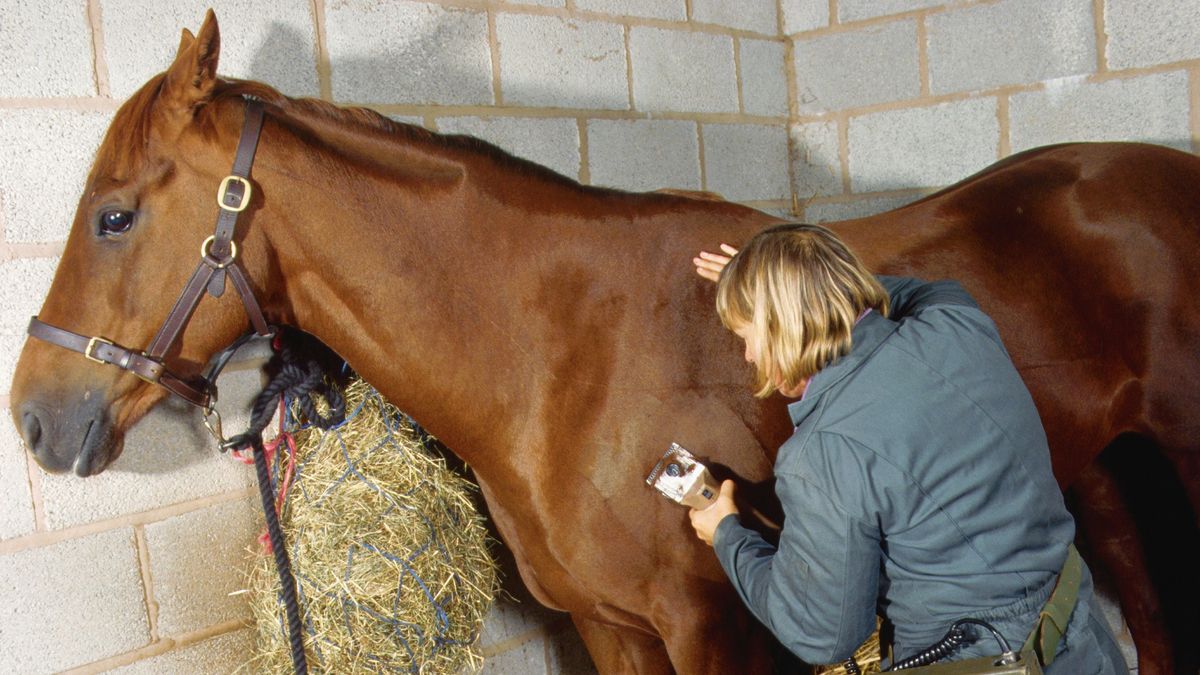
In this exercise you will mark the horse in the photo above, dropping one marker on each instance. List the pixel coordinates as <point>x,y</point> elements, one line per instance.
<point>555,337</point>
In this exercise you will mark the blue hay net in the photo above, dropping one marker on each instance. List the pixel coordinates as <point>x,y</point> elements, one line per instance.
<point>424,627</point>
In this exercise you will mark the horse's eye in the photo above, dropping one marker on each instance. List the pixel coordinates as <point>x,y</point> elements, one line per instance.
<point>115,222</point>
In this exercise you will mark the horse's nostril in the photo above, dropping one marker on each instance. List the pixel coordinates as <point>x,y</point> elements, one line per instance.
<point>31,429</point>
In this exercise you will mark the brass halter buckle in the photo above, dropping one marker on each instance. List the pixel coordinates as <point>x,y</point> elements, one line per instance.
<point>223,192</point>
<point>90,350</point>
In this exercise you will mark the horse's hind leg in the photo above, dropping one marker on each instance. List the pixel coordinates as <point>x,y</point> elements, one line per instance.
<point>616,649</point>
<point>1170,520</point>
<point>1187,466</point>
<point>1135,518</point>
<point>1116,553</point>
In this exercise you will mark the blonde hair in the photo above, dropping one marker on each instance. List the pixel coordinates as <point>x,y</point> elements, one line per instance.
<point>800,291</point>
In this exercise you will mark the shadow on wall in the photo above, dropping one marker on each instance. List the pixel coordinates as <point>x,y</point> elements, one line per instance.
<point>391,77</point>
<point>282,43</point>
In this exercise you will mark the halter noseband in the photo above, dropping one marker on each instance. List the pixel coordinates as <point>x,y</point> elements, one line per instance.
<point>218,256</point>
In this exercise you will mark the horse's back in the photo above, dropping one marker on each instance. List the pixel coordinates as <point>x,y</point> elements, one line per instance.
<point>1085,256</point>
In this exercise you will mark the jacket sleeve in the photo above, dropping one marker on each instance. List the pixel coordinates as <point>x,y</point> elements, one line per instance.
<point>910,296</point>
<point>817,591</point>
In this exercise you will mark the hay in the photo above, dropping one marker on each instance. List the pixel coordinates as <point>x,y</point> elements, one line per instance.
<point>867,656</point>
<point>390,555</point>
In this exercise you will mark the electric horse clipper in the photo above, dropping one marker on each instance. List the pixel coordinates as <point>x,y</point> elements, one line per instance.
<point>678,476</point>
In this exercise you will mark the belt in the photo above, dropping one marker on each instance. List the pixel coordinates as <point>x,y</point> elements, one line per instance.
<point>1056,614</point>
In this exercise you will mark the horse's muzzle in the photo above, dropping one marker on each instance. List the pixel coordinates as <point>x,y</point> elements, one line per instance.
<point>79,439</point>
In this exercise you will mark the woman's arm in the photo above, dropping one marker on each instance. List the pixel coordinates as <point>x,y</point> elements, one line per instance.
<point>909,296</point>
<point>817,591</point>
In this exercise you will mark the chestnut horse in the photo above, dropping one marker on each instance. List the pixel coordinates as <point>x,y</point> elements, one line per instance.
<point>556,338</point>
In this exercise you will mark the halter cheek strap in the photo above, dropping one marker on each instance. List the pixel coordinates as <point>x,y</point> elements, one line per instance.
<point>218,260</point>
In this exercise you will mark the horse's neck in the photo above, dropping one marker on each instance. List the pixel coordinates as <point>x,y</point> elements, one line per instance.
<point>422,275</point>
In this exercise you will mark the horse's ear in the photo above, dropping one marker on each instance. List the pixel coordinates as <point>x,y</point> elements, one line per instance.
<point>190,79</point>
<point>185,40</point>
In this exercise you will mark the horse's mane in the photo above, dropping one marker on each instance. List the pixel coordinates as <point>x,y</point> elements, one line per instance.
<point>124,146</point>
<point>127,140</point>
<point>372,120</point>
<point>312,107</point>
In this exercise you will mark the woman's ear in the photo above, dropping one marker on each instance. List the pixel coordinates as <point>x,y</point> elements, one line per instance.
<point>191,77</point>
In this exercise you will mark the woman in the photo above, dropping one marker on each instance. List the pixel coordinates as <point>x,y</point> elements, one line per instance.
<point>917,482</point>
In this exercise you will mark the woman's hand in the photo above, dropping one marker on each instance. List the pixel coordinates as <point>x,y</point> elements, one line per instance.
<point>705,521</point>
<point>709,265</point>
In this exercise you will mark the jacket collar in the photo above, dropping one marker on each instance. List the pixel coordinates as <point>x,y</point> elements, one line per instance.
<point>868,334</point>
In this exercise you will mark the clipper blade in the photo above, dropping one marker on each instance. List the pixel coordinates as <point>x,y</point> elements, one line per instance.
<point>678,476</point>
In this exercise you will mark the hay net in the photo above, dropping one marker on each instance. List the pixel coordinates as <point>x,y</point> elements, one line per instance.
<point>391,556</point>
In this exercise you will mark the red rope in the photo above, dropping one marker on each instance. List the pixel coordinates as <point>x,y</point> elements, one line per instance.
<point>270,448</point>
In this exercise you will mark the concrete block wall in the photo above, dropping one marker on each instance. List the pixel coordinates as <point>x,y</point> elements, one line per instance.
<point>896,98</point>
<point>821,109</point>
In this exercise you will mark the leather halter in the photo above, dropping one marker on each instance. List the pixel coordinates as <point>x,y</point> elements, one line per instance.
<point>218,256</point>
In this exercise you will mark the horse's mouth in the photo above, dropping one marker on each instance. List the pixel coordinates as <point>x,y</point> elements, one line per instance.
<point>98,444</point>
<point>96,449</point>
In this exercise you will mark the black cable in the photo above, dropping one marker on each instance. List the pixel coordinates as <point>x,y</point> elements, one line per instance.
<point>935,652</point>
<point>956,637</point>
<point>1004,648</point>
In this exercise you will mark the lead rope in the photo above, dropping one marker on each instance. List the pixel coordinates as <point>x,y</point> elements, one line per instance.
<point>287,581</point>
<point>298,380</point>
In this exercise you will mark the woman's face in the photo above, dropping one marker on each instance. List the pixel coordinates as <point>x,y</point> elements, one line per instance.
<point>747,334</point>
<point>744,331</point>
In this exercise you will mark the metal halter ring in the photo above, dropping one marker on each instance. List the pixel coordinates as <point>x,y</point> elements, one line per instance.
<point>205,251</point>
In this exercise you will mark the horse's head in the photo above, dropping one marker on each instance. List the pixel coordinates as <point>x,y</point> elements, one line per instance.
<point>146,208</point>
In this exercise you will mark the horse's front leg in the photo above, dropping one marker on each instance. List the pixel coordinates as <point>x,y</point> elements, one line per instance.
<point>616,649</point>
<point>707,630</point>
